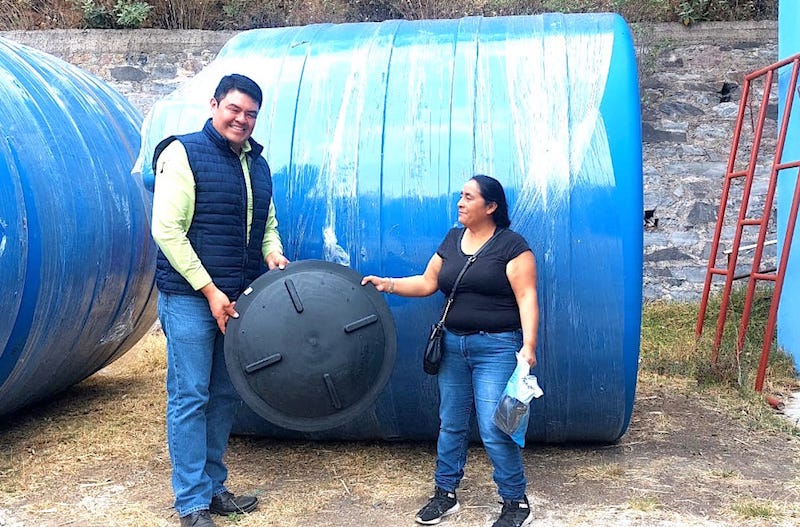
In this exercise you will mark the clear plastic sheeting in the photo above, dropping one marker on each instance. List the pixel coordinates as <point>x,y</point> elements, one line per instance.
<point>371,131</point>
<point>76,261</point>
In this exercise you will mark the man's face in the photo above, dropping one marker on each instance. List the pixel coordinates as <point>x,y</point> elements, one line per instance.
<point>234,117</point>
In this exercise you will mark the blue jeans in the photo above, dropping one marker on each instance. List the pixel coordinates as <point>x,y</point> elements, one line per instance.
<point>201,400</point>
<point>473,374</point>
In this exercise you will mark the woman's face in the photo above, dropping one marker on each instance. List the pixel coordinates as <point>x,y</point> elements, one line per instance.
<point>472,208</point>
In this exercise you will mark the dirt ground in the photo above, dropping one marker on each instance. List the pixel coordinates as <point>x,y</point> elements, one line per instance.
<point>95,456</point>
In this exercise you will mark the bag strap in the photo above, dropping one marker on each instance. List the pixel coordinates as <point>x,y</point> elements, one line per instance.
<point>469,262</point>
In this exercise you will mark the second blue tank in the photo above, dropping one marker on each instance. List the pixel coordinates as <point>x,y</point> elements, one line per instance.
<point>77,264</point>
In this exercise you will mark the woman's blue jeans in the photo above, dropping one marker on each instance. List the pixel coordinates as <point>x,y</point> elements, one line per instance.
<point>473,374</point>
<point>201,400</point>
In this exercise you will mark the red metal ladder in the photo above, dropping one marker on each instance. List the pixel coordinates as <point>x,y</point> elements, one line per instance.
<point>746,174</point>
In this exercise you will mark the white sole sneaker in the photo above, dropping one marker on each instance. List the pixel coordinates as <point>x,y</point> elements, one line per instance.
<point>452,510</point>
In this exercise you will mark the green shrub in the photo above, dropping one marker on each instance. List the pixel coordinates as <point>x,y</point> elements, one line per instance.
<point>234,9</point>
<point>95,16</point>
<point>131,14</point>
<point>691,11</point>
<point>127,14</point>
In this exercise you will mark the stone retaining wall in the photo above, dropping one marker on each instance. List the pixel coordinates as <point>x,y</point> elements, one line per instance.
<point>690,81</point>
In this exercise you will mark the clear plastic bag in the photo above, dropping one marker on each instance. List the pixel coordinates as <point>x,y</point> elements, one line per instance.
<point>512,411</point>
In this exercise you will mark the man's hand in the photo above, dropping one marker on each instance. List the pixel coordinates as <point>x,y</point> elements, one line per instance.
<point>276,260</point>
<point>221,306</point>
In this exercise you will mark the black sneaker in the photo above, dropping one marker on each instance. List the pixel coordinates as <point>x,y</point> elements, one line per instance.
<point>514,514</point>
<point>441,504</point>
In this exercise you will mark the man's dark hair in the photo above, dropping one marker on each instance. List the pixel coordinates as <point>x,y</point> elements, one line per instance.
<point>237,82</point>
<point>492,192</point>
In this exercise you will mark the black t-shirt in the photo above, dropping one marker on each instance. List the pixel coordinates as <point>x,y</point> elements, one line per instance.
<point>484,300</point>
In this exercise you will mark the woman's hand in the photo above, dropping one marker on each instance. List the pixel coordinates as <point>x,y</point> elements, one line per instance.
<point>529,354</point>
<point>419,285</point>
<point>384,285</point>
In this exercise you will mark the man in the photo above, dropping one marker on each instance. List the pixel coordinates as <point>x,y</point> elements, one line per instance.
<point>214,223</point>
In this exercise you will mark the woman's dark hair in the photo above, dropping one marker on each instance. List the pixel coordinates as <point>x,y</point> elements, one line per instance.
<point>492,192</point>
<point>240,83</point>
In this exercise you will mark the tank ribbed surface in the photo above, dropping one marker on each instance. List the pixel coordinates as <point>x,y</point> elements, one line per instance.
<point>76,260</point>
<point>372,129</point>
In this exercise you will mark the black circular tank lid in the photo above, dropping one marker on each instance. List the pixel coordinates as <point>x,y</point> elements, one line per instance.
<point>312,348</point>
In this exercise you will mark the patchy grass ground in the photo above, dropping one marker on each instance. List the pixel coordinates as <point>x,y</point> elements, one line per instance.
<point>96,456</point>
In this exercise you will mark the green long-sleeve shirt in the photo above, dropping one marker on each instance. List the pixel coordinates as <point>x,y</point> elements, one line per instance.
<point>173,209</point>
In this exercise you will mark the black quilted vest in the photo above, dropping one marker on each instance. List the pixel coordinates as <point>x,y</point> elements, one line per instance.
<point>218,232</point>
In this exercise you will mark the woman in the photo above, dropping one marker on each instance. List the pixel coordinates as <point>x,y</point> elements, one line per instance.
<point>494,316</point>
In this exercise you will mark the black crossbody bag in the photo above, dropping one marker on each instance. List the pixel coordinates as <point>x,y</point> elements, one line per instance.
<point>433,348</point>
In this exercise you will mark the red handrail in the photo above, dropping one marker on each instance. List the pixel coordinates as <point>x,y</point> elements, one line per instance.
<point>747,174</point>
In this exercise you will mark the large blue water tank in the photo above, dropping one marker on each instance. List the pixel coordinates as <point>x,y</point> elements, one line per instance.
<point>76,261</point>
<point>372,129</point>
<point>789,309</point>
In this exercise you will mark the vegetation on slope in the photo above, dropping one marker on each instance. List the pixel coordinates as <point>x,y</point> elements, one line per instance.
<point>247,14</point>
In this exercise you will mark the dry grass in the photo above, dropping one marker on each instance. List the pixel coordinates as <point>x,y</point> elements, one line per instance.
<point>62,445</point>
<point>610,473</point>
<point>96,456</point>
<point>645,503</point>
<point>105,439</point>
